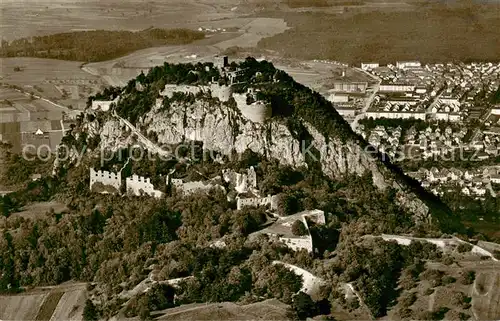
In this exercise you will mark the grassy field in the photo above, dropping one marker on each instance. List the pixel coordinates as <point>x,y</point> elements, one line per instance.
<point>266,310</point>
<point>48,306</point>
<point>38,210</point>
<point>21,307</point>
<point>63,302</point>
<point>70,305</point>
<point>488,228</point>
<point>427,33</point>
<point>254,31</point>
<point>484,293</point>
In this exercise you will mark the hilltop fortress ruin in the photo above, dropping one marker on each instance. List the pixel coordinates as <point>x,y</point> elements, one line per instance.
<point>247,103</point>
<point>111,183</point>
<point>257,111</point>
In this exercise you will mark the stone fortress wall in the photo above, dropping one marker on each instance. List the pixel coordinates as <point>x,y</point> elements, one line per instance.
<point>305,242</point>
<point>222,92</point>
<point>297,244</point>
<point>257,112</point>
<point>139,185</point>
<point>271,200</point>
<point>170,89</point>
<point>106,178</point>
<point>103,105</point>
<point>136,185</point>
<point>188,188</point>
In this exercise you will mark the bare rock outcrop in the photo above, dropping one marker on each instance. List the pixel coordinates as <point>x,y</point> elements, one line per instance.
<point>224,129</point>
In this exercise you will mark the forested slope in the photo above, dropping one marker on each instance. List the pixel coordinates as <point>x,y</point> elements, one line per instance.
<point>98,45</point>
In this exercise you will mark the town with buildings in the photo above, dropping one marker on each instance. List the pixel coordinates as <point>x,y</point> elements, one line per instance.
<point>429,112</point>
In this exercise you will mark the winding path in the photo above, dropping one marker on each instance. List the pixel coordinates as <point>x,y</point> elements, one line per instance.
<point>143,139</point>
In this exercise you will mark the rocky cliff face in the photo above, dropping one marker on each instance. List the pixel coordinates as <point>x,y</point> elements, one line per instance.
<point>224,129</point>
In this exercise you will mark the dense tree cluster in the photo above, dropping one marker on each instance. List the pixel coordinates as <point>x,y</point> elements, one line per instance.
<point>99,45</point>
<point>375,267</point>
<point>288,98</point>
<point>116,241</point>
<point>17,169</point>
<point>135,103</point>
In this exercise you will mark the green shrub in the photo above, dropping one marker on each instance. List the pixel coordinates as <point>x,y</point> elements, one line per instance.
<point>298,228</point>
<point>464,247</point>
<point>433,276</point>
<point>404,313</point>
<point>429,291</point>
<point>448,280</point>
<point>468,277</point>
<point>408,299</point>
<point>448,260</point>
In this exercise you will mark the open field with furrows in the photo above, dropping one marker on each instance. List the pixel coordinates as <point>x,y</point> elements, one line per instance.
<point>118,72</point>
<point>12,100</point>
<point>35,18</point>
<point>427,33</point>
<point>266,310</point>
<point>64,302</point>
<point>22,116</point>
<point>61,81</point>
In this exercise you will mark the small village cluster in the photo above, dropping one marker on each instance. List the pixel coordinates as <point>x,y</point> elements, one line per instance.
<point>477,182</point>
<point>427,143</point>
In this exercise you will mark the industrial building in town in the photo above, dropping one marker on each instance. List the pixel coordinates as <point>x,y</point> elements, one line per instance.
<point>350,86</point>
<point>408,64</point>
<point>369,65</point>
<point>395,87</point>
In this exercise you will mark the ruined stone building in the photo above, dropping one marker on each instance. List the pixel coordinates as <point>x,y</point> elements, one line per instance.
<point>270,200</point>
<point>242,183</point>
<point>138,186</point>
<point>107,179</point>
<point>188,188</point>
<point>281,230</point>
<point>103,105</point>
